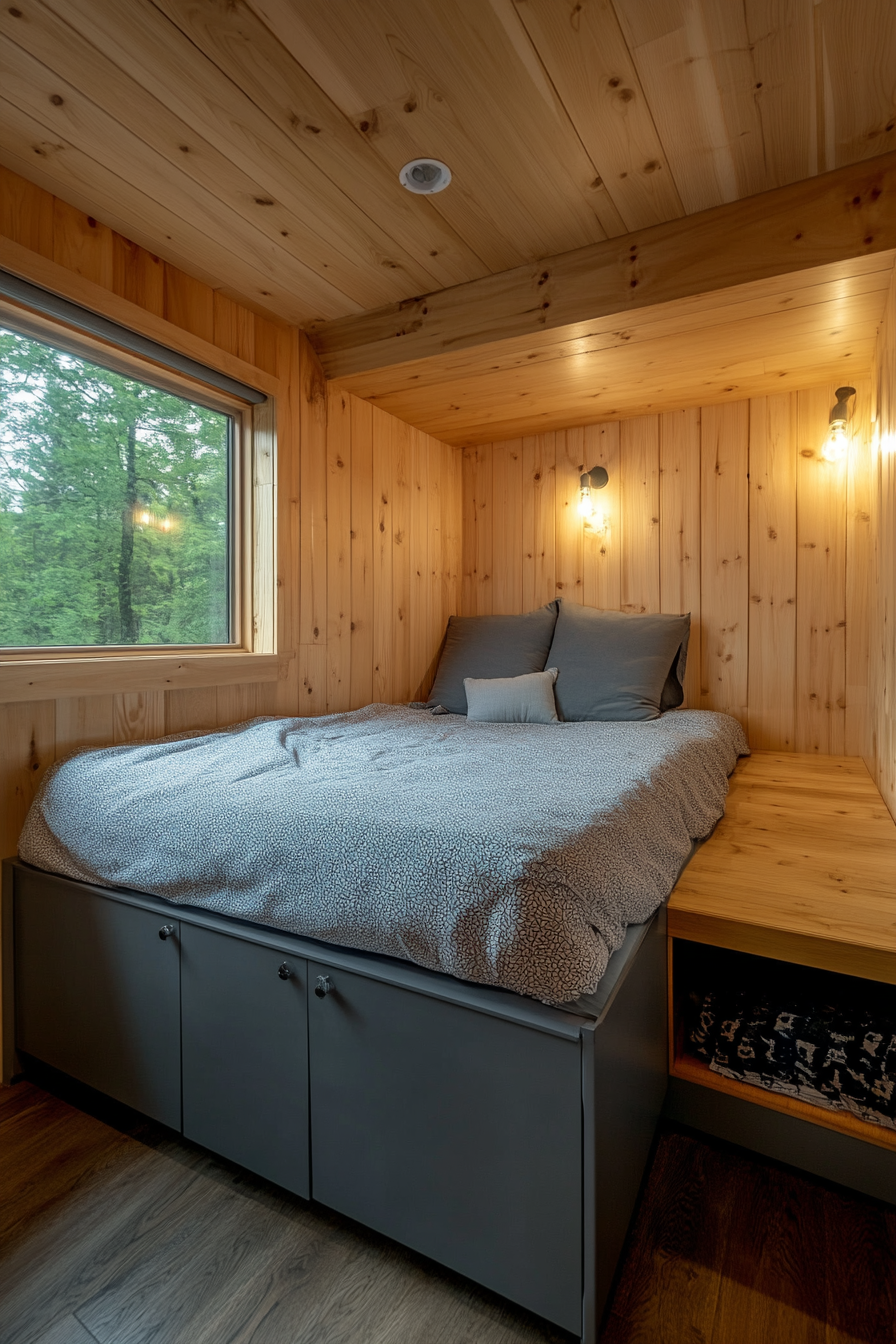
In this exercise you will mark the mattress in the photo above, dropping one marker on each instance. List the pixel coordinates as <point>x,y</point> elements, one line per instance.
<point>507,854</point>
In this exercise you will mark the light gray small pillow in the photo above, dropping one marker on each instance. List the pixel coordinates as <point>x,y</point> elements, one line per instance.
<point>525,699</point>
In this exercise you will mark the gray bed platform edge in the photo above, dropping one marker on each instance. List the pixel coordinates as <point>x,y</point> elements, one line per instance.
<point>340,1074</point>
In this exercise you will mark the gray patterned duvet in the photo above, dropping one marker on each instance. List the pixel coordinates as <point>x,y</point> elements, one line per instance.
<point>509,854</point>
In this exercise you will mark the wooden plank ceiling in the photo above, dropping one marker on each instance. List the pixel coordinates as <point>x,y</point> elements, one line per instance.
<point>770,336</point>
<point>256,143</point>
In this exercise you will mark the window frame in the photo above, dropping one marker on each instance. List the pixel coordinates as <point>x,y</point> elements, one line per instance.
<point>252,655</point>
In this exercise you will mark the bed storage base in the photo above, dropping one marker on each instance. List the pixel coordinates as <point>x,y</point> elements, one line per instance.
<point>501,1137</point>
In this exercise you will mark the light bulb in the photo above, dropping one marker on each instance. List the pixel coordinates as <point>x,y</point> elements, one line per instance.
<point>836,444</point>
<point>586,503</point>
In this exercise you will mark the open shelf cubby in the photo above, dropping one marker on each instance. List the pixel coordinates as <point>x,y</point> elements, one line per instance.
<point>697,969</point>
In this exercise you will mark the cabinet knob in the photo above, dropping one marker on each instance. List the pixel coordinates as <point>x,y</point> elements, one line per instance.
<point>166,931</point>
<point>284,970</point>
<point>323,986</point>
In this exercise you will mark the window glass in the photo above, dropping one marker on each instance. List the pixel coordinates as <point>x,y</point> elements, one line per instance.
<point>114,506</point>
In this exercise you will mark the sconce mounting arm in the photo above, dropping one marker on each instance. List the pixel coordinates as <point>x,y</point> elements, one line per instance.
<point>596,478</point>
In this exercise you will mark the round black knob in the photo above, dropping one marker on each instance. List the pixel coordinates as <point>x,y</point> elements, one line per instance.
<point>323,986</point>
<point>284,970</point>
<point>166,931</point>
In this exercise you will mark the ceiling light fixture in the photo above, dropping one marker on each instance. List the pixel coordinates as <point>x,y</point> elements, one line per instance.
<point>837,441</point>
<point>425,176</point>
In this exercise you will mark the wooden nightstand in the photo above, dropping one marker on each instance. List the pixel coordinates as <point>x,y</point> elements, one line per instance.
<point>800,870</point>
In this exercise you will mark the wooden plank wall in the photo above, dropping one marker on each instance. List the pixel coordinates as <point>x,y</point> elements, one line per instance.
<point>728,512</point>
<point>392,561</point>
<point>882,672</point>
<point>363,600</point>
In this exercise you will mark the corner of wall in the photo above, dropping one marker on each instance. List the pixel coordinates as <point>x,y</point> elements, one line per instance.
<point>881,752</point>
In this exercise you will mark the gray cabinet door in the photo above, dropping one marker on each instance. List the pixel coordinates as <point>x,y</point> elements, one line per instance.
<point>98,992</point>
<point>245,1054</point>
<point>456,1133</point>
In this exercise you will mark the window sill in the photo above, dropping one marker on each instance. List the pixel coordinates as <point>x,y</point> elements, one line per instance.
<point>45,678</point>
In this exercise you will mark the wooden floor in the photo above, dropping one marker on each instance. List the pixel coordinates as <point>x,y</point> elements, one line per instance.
<point>114,1231</point>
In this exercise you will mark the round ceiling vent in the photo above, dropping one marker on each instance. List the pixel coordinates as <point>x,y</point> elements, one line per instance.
<point>425,176</point>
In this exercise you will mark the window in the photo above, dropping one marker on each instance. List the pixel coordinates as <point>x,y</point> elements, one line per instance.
<point>117,507</point>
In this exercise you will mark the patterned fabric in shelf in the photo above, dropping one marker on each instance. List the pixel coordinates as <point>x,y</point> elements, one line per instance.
<point>513,854</point>
<point>833,1051</point>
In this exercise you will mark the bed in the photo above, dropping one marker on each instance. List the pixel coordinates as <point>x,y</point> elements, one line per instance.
<point>402,962</point>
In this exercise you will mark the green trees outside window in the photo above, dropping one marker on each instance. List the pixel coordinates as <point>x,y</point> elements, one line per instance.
<point>114,514</point>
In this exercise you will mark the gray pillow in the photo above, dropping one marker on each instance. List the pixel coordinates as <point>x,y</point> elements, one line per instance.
<point>490,646</point>
<point>616,666</point>
<point>525,699</point>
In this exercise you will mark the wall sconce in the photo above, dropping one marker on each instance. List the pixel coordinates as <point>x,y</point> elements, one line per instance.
<point>837,441</point>
<point>592,480</point>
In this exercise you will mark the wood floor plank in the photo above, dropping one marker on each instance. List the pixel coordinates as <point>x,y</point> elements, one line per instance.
<point>47,1148</point>
<point>274,1303</point>
<point>677,1242</point>
<point>56,1260</point>
<point>95,1225</point>
<point>438,1305</point>
<point>861,1244</point>
<point>67,1330</point>
<point>14,1099</point>
<point>770,1266</point>
<point>161,1293</point>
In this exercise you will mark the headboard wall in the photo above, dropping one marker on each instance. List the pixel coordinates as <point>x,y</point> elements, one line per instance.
<point>729,512</point>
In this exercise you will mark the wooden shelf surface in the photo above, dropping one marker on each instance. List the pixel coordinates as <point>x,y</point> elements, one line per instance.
<point>695,1071</point>
<point>801,868</point>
